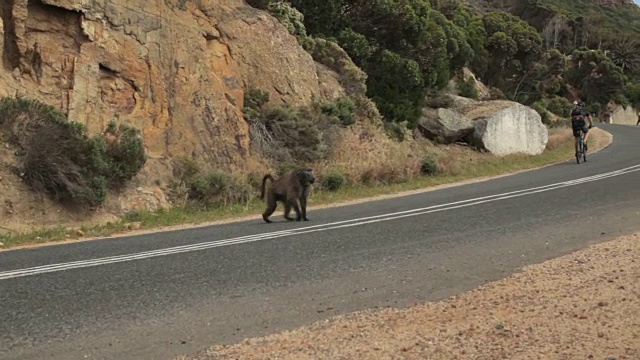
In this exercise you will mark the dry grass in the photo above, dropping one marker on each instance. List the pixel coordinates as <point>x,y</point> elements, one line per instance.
<point>364,154</point>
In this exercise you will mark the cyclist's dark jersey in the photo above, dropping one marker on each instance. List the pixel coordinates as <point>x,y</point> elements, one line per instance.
<point>579,118</point>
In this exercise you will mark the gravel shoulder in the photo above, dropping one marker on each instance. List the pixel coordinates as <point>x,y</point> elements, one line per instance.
<point>585,305</point>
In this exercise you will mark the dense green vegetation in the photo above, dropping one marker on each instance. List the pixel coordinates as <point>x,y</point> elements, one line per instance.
<point>533,52</point>
<point>57,157</point>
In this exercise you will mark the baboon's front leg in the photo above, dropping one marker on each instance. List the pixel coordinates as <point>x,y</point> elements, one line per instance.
<point>303,207</point>
<point>296,208</point>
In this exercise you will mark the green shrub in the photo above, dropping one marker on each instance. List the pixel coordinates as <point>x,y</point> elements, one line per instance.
<point>341,109</point>
<point>185,168</point>
<point>333,181</point>
<point>254,101</point>
<point>288,16</point>
<point>57,157</point>
<point>429,165</point>
<point>467,88</point>
<point>123,154</point>
<point>394,131</point>
<point>295,132</point>
<point>203,188</point>
<point>542,110</point>
<point>632,94</point>
<point>356,45</point>
<point>331,55</point>
<point>594,108</point>
<point>559,106</point>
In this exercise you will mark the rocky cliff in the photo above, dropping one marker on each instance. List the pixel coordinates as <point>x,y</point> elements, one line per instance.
<point>175,69</point>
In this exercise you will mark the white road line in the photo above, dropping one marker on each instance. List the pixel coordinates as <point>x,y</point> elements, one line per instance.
<point>309,229</point>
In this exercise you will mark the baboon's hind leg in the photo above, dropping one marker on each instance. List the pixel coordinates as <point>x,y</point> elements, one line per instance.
<point>271,208</point>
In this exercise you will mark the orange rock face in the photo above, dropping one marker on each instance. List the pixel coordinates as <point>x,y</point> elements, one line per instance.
<point>177,70</point>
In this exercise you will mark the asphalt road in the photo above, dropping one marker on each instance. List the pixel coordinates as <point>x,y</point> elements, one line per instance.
<point>159,295</point>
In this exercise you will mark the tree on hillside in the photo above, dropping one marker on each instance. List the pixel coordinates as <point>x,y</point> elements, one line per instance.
<point>543,79</point>
<point>514,46</point>
<point>395,33</point>
<point>625,53</point>
<point>597,78</point>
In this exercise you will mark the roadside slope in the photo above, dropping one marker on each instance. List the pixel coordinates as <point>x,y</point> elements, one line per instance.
<point>600,141</point>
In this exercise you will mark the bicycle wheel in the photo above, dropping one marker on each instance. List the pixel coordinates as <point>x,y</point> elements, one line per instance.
<point>584,152</point>
<point>578,149</point>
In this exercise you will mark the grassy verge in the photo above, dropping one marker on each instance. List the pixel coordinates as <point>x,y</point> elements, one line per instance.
<point>559,148</point>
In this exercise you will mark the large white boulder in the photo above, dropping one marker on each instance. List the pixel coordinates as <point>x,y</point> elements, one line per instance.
<point>512,128</point>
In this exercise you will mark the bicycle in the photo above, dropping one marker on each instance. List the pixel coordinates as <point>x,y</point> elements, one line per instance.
<point>581,150</point>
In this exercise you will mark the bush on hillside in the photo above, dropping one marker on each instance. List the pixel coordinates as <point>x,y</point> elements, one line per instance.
<point>296,133</point>
<point>57,157</point>
<point>288,16</point>
<point>341,110</point>
<point>286,134</point>
<point>559,106</point>
<point>333,181</point>
<point>121,152</point>
<point>467,88</point>
<point>254,101</point>
<point>632,94</point>
<point>429,165</point>
<point>542,111</point>
<point>331,55</point>
<point>208,189</point>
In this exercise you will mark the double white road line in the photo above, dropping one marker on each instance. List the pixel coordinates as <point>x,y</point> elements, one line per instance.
<point>309,229</point>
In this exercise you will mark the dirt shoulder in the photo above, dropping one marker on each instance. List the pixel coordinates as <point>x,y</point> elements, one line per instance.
<point>585,305</point>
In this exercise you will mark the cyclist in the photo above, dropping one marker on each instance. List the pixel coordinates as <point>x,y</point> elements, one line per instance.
<point>578,116</point>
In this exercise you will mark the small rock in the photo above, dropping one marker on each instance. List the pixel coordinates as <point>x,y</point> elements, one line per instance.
<point>603,303</point>
<point>1,244</point>
<point>80,232</point>
<point>134,225</point>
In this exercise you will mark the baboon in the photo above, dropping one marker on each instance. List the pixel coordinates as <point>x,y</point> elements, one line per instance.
<point>290,189</point>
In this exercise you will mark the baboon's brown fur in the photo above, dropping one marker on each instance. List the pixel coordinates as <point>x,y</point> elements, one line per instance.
<point>292,190</point>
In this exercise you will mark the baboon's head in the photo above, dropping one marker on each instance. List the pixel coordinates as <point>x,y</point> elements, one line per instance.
<point>306,176</point>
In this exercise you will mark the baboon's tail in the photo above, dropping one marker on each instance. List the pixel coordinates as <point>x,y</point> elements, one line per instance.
<point>264,182</point>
